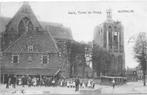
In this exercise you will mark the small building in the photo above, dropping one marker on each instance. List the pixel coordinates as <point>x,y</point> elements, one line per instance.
<point>131,74</point>
<point>139,72</point>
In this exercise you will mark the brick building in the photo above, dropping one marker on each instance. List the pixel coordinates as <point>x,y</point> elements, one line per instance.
<point>32,47</point>
<point>110,37</point>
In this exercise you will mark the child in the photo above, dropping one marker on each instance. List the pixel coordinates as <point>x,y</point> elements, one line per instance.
<point>113,82</point>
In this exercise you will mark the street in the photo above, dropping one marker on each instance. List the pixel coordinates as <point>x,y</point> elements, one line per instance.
<point>88,94</point>
<point>131,88</point>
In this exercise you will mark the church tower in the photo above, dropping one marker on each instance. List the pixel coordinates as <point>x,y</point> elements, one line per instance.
<point>109,36</point>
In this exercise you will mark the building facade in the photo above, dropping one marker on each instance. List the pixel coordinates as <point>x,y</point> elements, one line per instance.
<point>32,47</point>
<point>110,37</point>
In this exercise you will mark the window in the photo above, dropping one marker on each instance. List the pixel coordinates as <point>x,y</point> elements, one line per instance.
<point>21,27</point>
<point>110,40</point>
<point>115,33</point>
<point>30,48</point>
<point>30,59</point>
<point>116,39</point>
<point>30,26</point>
<point>15,59</point>
<point>25,25</point>
<point>105,41</point>
<point>44,59</point>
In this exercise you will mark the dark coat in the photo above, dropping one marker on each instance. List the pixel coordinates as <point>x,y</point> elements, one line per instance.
<point>13,79</point>
<point>77,82</point>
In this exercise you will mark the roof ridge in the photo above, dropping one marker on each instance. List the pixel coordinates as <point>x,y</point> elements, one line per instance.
<point>52,40</point>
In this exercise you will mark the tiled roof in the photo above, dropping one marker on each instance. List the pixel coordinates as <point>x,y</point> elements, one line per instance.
<point>3,22</point>
<point>57,30</point>
<point>41,41</point>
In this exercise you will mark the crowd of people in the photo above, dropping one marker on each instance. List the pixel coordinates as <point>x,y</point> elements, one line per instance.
<point>27,80</point>
<point>13,80</point>
<point>78,83</point>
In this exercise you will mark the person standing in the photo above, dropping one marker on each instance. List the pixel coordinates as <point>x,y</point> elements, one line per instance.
<point>8,79</point>
<point>29,81</point>
<point>19,81</point>
<point>13,81</point>
<point>77,82</point>
<point>113,83</point>
<point>89,83</point>
<point>23,81</point>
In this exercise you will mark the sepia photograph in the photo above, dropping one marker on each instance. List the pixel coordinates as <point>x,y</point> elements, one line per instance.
<point>73,47</point>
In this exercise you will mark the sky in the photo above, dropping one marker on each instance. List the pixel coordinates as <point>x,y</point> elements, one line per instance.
<point>83,16</point>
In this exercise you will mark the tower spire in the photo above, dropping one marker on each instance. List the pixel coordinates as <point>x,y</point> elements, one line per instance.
<point>25,3</point>
<point>109,14</point>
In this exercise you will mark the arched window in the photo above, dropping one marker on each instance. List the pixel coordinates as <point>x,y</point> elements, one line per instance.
<point>113,59</point>
<point>21,27</point>
<point>25,25</point>
<point>110,39</point>
<point>30,26</point>
<point>116,39</point>
<point>105,37</point>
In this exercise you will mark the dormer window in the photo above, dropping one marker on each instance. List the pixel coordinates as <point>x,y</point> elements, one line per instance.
<point>30,48</point>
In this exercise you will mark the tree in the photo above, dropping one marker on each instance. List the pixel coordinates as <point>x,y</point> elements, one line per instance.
<point>101,60</point>
<point>77,56</point>
<point>140,50</point>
